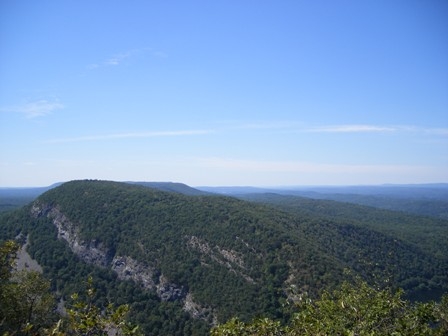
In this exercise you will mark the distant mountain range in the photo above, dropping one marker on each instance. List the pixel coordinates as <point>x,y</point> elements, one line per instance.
<point>185,259</point>
<point>422,199</point>
<point>430,191</point>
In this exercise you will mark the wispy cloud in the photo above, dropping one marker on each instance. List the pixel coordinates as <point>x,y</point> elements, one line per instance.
<point>35,109</point>
<point>117,59</point>
<point>120,58</point>
<point>352,129</point>
<point>295,126</point>
<point>267,125</point>
<point>131,135</point>
<point>114,60</point>
<point>437,131</point>
<point>355,128</point>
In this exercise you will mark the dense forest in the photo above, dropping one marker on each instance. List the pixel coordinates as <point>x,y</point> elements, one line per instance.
<point>205,259</point>
<point>27,308</point>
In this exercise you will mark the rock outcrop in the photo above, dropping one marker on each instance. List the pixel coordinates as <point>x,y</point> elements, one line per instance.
<point>199,312</point>
<point>130,269</point>
<point>168,291</point>
<point>231,259</point>
<point>127,268</point>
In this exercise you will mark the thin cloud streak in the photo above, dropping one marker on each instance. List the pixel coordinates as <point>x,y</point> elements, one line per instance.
<point>353,129</point>
<point>295,126</point>
<point>377,129</point>
<point>437,131</point>
<point>301,127</point>
<point>119,58</point>
<point>112,61</point>
<point>277,125</point>
<point>35,109</point>
<point>133,135</point>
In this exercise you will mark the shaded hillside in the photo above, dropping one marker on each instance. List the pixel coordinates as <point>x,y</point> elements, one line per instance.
<point>184,262</point>
<point>425,234</point>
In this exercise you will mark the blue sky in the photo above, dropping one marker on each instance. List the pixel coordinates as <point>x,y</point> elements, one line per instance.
<point>263,93</point>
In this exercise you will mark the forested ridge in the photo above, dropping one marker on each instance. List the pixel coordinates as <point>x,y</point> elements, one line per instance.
<point>233,257</point>
<point>424,235</point>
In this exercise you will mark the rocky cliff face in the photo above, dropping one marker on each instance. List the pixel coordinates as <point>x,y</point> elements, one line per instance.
<point>127,268</point>
<point>231,259</point>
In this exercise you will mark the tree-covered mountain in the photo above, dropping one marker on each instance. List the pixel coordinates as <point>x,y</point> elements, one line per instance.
<point>185,262</point>
<point>13,198</point>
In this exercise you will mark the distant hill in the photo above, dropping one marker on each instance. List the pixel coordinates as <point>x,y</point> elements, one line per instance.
<point>430,191</point>
<point>13,198</point>
<point>184,262</point>
<point>422,199</point>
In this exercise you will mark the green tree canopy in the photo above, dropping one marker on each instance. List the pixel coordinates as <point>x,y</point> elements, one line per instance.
<point>85,319</point>
<point>27,306</point>
<point>353,309</point>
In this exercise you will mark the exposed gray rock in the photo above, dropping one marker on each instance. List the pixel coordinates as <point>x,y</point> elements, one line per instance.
<point>127,268</point>
<point>24,260</point>
<point>168,291</point>
<point>228,258</point>
<point>39,210</point>
<point>199,312</point>
<point>91,252</point>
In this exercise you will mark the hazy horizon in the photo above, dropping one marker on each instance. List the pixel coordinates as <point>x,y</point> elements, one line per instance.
<point>224,93</point>
<point>279,187</point>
